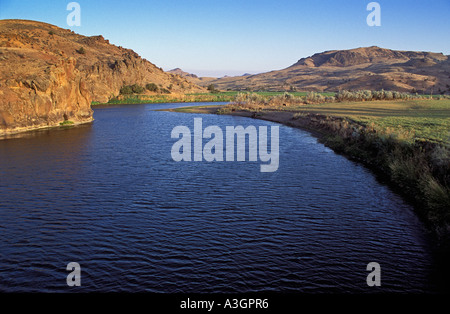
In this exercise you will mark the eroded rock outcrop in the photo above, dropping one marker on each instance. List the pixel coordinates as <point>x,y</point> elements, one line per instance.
<point>40,95</point>
<point>49,75</point>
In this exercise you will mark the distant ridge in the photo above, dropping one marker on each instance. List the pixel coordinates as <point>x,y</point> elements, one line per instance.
<point>182,73</point>
<point>369,55</point>
<point>360,68</point>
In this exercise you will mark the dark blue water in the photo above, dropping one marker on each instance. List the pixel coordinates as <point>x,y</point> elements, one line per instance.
<point>109,197</point>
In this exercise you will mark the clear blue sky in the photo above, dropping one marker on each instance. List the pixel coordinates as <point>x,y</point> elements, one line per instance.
<point>232,37</point>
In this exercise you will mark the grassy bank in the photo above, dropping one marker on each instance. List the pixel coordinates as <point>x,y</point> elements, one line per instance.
<point>261,97</point>
<point>229,96</point>
<point>410,120</point>
<point>169,98</point>
<point>406,141</point>
<point>166,98</point>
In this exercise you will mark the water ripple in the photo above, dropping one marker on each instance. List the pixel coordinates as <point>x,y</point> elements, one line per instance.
<point>109,197</point>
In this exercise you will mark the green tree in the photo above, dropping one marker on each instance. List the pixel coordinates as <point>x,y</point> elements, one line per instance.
<point>126,90</point>
<point>152,87</point>
<point>137,89</point>
<point>212,88</point>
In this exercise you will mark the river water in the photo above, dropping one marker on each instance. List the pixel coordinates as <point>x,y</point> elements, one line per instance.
<point>108,196</point>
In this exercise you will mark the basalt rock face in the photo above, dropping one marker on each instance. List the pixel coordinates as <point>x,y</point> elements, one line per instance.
<point>49,75</point>
<point>36,94</point>
<point>44,99</point>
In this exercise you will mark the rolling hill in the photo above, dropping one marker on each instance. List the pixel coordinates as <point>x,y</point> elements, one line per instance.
<point>371,68</point>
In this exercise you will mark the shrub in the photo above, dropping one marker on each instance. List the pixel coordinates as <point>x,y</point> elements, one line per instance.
<point>126,90</point>
<point>388,95</point>
<point>137,89</point>
<point>368,95</point>
<point>164,91</point>
<point>131,89</point>
<point>212,88</point>
<point>152,87</point>
<point>314,98</point>
<point>81,51</point>
<point>66,122</point>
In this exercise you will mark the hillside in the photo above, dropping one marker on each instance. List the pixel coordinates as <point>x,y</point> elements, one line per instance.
<point>49,75</point>
<point>182,73</point>
<point>371,68</point>
<point>194,79</point>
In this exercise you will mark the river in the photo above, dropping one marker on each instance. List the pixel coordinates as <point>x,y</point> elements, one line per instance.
<point>108,196</point>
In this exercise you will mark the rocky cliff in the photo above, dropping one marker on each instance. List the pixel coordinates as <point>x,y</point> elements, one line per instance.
<point>49,75</point>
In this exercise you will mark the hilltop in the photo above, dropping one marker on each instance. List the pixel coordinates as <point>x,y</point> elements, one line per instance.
<point>193,78</point>
<point>182,73</point>
<point>372,68</point>
<point>49,75</point>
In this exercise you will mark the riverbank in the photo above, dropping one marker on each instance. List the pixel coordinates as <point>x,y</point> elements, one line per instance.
<point>404,142</point>
<point>6,134</point>
<point>168,98</point>
<point>226,96</point>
